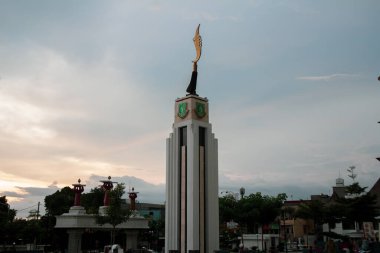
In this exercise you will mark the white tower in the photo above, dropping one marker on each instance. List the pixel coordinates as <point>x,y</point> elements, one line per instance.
<point>192,211</point>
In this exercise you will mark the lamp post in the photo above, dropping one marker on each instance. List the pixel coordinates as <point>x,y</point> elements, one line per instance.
<point>107,186</point>
<point>242,192</point>
<point>78,189</point>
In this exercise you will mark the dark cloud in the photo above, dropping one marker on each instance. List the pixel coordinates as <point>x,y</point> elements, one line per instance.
<point>37,191</point>
<point>11,194</point>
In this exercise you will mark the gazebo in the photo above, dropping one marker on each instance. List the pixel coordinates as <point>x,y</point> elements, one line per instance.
<point>77,221</point>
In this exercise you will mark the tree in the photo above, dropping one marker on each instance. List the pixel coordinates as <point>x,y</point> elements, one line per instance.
<point>155,228</point>
<point>92,200</point>
<point>271,208</point>
<point>359,206</point>
<point>115,212</point>
<point>7,216</point>
<point>355,189</point>
<point>227,208</point>
<point>59,202</point>
<point>6,213</point>
<point>251,210</point>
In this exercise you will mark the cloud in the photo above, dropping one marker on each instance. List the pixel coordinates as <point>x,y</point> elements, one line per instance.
<point>37,191</point>
<point>25,199</point>
<point>155,7</point>
<point>12,194</point>
<point>95,97</point>
<point>58,115</point>
<point>303,138</point>
<point>53,185</point>
<point>326,77</point>
<point>211,17</point>
<point>148,192</point>
<point>22,197</point>
<point>23,120</point>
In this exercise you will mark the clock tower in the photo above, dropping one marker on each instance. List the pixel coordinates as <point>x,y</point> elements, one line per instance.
<point>192,211</point>
<point>192,208</point>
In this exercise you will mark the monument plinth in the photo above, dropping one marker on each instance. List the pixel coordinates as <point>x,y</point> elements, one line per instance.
<point>192,211</point>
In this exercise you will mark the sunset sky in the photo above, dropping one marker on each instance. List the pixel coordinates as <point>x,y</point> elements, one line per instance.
<point>87,90</point>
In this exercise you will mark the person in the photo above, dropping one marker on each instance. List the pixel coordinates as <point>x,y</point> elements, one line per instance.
<point>330,246</point>
<point>365,245</point>
<point>319,245</point>
<point>345,246</point>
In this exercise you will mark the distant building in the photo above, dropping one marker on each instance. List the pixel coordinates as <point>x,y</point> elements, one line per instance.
<point>339,190</point>
<point>351,228</point>
<point>153,211</point>
<point>295,229</point>
<point>299,230</point>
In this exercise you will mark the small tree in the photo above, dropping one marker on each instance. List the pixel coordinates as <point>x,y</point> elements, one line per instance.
<point>115,213</point>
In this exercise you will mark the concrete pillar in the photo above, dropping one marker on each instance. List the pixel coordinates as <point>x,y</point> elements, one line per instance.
<point>75,240</point>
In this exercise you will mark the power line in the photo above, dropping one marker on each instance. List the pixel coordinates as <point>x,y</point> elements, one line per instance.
<point>27,208</point>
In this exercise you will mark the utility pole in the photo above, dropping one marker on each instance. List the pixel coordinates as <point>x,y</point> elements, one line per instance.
<point>286,243</point>
<point>38,210</point>
<point>378,158</point>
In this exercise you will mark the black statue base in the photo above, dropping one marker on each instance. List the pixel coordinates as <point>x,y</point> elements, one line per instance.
<point>191,89</point>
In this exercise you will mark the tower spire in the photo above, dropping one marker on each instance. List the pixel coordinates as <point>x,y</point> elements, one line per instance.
<point>191,89</point>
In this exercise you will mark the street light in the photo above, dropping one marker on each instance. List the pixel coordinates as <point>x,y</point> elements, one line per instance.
<point>242,192</point>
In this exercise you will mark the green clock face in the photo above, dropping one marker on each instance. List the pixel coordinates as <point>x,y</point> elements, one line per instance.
<point>182,110</point>
<point>200,109</point>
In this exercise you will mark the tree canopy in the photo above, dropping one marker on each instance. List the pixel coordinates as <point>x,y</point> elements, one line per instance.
<point>92,200</point>
<point>6,213</point>
<point>7,216</point>
<point>250,210</point>
<point>59,202</point>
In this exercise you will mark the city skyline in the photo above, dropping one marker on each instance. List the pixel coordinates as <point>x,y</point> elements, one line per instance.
<point>87,91</point>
